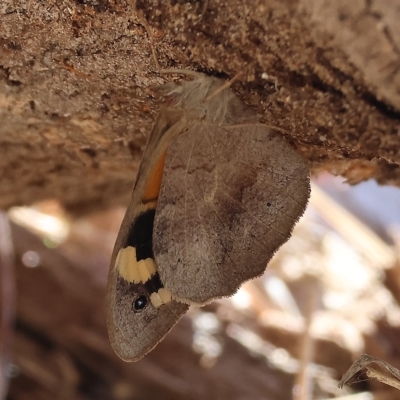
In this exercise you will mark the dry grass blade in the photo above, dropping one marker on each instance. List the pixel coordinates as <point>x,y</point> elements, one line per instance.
<point>361,367</point>
<point>352,229</point>
<point>304,381</point>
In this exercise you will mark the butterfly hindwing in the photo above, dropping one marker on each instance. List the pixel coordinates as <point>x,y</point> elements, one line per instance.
<point>229,199</point>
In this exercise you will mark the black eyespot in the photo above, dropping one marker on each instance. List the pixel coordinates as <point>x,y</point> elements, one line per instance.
<point>269,204</point>
<point>140,303</point>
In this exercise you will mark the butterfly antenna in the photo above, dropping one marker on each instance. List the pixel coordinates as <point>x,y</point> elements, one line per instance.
<point>223,87</point>
<point>203,11</point>
<point>151,39</point>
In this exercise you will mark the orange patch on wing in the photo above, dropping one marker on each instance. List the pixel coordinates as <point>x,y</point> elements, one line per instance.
<point>154,182</point>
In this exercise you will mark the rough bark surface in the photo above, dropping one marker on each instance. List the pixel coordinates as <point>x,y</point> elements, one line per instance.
<point>74,76</point>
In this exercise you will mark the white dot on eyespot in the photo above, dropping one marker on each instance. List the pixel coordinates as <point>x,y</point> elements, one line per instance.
<point>30,259</point>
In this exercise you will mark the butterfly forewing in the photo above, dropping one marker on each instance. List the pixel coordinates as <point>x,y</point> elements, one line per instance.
<point>137,317</point>
<point>133,334</point>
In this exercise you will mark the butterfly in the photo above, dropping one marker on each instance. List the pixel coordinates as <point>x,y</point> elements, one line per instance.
<point>217,193</point>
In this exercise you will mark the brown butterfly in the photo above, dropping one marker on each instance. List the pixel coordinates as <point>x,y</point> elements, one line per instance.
<point>216,195</point>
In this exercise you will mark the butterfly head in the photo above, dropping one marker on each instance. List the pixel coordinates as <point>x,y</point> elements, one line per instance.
<point>202,98</point>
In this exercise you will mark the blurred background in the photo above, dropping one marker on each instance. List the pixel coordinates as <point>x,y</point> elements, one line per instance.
<point>330,294</point>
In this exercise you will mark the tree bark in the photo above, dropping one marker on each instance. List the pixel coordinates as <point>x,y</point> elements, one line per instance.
<point>74,76</point>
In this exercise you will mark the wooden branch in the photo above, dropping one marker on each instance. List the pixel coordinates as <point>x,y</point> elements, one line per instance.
<point>74,78</point>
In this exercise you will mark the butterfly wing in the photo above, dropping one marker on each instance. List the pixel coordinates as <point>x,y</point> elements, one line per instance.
<point>140,311</point>
<point>229,199</point>
<point>133,334</point>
